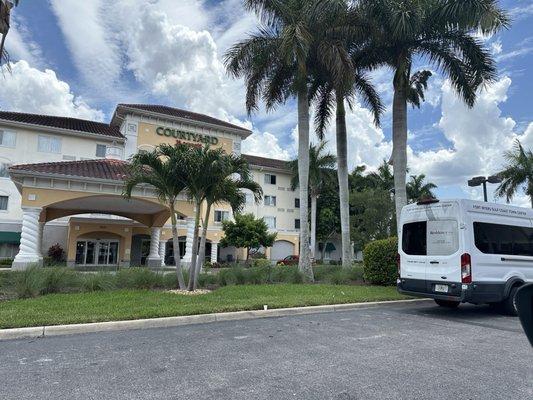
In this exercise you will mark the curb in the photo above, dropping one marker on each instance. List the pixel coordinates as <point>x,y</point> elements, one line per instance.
<point>166,322</point>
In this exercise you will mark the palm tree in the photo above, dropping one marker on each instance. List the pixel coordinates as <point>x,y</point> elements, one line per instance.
<point>418,189</point>
<point>444,32</point>
<point>162,169</point>
<point>383,178</point>
<point>227,186</point>
<point>321,170</point>
<point>275,63</point>
<point>5,24</point>
<point>517,173</point>
<point>338,80</point>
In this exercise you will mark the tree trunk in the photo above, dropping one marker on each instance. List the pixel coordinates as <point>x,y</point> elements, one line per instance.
<point>313,225</point>
<point>399,148</point>
<point>194,255</point>
<point>304,263</point>
<point>342,174</point>
<point>201,251</point>
<point>176,245</point>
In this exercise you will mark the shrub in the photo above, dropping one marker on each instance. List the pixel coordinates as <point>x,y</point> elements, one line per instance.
<point>286,274</point>
<point>261,263</point>
<point>139,278</point>
<point>205,280</point>
<point>29,283</point>
<point>6,261</point>
<point>56,280</point>
<point>258,256</point>
<point>56,253</point>
<point>322,272</point>
<point>99,281</point>
<point>338,277</point>
<point>380,261</point>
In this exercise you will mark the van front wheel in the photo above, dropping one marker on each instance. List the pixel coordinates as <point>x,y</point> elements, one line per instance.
<point>447,303</point>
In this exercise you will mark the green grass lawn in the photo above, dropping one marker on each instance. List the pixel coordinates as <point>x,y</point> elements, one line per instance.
<point>57,309</point>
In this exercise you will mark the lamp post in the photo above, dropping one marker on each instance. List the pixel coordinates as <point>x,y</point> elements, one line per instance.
<point>481,180</point>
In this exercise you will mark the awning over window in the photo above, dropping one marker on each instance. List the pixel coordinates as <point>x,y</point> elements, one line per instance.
<point>10,237</point>
<point>329,247</point>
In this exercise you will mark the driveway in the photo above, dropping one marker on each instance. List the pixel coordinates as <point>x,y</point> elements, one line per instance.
<point>410,351</point>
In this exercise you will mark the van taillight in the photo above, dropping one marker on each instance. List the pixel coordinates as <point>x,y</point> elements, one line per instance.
<point>466,268</point>
<point>398,263</point>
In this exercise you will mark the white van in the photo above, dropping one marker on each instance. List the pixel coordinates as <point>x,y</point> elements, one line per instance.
<point>458,251</point>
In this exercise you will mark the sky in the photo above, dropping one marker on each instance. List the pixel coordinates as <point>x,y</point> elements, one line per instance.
<point>80,58</point>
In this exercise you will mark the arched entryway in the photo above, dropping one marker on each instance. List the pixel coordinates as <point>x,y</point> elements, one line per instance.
<point>100,249</point>
<point>281,249</point>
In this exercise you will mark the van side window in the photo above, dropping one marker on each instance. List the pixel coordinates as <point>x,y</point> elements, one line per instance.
<point>503,239</point>
<point>414,238</point>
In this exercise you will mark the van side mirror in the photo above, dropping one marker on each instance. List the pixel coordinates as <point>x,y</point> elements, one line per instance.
<point>524,304</point>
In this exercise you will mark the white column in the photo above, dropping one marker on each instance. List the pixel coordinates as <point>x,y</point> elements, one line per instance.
<point>30,240</point>
<point>214,252</point>
<point>162,251</point>
<point>154,260</point>
<point>40,240</point>
<point>187,258</point>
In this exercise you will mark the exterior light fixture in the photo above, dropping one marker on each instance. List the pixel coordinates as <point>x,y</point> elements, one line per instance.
<point>481,180</point>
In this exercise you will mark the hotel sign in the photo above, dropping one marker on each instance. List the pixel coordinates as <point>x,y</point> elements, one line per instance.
<point>192,137</point>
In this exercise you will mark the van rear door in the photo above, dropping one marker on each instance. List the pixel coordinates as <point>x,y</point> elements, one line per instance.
<point>443,255</point>
<point>413,252</point>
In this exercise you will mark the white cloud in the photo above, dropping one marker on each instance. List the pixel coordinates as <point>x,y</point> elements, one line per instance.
<point>20,45</point>
<point>27,89</point>
<point>265,145</point>
<point>479,136</point>
<point>92,45</point>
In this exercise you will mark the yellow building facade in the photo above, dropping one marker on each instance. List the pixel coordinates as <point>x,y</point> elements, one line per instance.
<point>100,226</point>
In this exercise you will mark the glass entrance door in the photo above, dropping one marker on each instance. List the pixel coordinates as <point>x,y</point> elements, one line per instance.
<point>97,252</point>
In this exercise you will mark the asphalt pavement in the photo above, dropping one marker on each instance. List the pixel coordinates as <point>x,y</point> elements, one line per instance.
<point>408,351</point>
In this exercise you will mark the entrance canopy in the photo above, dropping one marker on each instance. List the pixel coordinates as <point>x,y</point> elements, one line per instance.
<point>66,188</point>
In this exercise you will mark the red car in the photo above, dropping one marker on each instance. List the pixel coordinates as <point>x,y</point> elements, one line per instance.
<point>289,260</point>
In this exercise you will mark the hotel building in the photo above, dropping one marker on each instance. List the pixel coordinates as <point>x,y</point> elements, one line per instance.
<point>62,181</point>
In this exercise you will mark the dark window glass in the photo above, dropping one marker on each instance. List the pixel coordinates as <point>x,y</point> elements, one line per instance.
<point>414,240</point>
<point>296,224</point>
<point>503,239</point>
<point>296,203</point>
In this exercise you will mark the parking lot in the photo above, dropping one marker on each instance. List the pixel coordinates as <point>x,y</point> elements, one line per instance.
<point>409,351</point>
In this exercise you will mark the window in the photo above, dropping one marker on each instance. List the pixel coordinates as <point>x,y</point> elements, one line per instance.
<point>101,150</point>
<point>221,215</point>
<point>249,199</point>
<point>432,238</point>
<point>3,202</point>
<point>4,170</point>
<point>296,203</point>
<point>8,250</point>
<point>8,138</point>
<point>270,179</point>
<point>271,222</point>
<point>503,239</point>
<point>48,144</point>
<point>270,200</point>
<point>296,224</point>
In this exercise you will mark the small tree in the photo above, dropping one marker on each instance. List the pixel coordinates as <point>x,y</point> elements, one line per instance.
<point>56,253</point>
<point>247,232</point>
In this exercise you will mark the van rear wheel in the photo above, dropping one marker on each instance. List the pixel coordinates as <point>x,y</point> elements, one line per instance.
<point>447,303</point>
<point>508,306</point>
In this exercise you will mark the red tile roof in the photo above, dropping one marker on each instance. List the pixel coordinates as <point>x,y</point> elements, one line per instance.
<point>179,113</point>
<point>114,170</point>
<point>72,124</point>
<point>267,162</point>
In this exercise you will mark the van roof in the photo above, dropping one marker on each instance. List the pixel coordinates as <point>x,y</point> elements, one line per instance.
<point>478,206</point>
